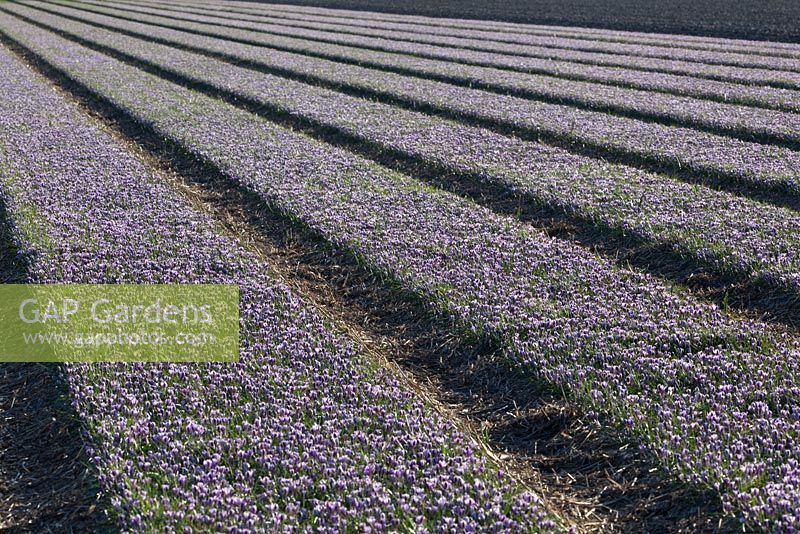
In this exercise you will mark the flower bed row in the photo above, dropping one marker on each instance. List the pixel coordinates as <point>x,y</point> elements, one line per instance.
<point>495,30</point>
<point>302,433</point>
<point>760,166</point>
<point>731,93</point>
<point>344,47</point>
<point>545,36</point>
<point>719,229</point>
<point>535,46</point>
<point>767,125</point>
<point>716,398</point>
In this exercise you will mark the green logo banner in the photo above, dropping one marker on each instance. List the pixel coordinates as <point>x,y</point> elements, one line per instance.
<point>119,323</point>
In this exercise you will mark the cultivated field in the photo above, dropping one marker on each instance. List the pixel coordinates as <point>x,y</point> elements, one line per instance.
<point>771,20</point>
<point>494,277</point>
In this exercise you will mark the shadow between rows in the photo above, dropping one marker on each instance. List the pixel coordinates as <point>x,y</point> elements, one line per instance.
<point>779,194</point>
<point>236,13</point>
<point>573,13</point>
<point>768,83</point>
<point>786,141</point>
<point>46,481</point>
<point>599,480</point>
<point>761,298</point>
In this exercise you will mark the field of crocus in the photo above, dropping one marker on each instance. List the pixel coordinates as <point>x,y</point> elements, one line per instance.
<point>614,214</point>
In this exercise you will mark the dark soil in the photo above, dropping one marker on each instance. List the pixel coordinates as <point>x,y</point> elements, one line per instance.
<point>46,482</point>
<point>772,20</point>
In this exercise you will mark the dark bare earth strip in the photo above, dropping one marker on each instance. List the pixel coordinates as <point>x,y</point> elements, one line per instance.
<point>46,482</point>
<point>774,20</point>
<point>589,474</point>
